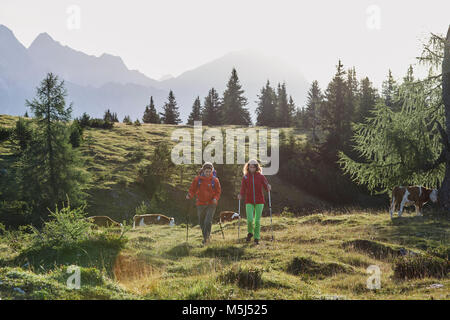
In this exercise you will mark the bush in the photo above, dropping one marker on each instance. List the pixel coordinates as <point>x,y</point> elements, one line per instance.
<point>67,227</point>
<point>127,120</point>
<point>100,123</point>
<point>76,133</point>
<point>5,133</point>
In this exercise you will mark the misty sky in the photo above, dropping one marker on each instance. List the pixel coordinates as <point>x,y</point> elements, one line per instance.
<point>172,36</point>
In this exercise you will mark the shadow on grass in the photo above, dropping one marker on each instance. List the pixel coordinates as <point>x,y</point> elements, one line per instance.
<point>93,253</point>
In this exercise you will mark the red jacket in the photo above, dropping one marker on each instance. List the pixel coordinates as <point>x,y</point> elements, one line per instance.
<point>252,186</point>
<point>205,192</point>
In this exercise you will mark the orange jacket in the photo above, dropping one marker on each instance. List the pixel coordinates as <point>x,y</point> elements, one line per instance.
<point>205,192</point>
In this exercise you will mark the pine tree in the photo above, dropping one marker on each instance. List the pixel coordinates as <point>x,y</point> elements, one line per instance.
<point>352,93</point>
<point>314,104</point>
<point>171,115</point>
<point>336,116</point>
<point>285,112</point>
<point>389,92</point>
<point>127,120</point>
<point>50,169</point>
<point>110,117</point>
<point>367,99</point>
<point>196,113</point>
<point>212,109</point>
<point>234,103</point>
<point>267,105</point>
<point>150,114</point>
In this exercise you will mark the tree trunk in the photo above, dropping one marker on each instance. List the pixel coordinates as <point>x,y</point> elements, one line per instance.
<point>444,190</point>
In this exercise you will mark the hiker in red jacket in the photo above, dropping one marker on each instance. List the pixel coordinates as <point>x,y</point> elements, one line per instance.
<point>206,188</point>
<point>252,186</point>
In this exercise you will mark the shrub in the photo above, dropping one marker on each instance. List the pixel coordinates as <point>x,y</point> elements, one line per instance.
<point>127,120</point>
<point>5,133</point>
<point>100,123</point>
<point>67,227</point>
<point>76,133</point>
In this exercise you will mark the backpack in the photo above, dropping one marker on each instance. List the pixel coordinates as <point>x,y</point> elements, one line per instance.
<point>213,180</point>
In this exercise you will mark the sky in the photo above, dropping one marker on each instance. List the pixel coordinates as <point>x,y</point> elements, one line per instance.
<point>160,37</point>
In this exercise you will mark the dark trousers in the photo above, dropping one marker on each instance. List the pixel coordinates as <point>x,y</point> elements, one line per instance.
<point>205,215</point>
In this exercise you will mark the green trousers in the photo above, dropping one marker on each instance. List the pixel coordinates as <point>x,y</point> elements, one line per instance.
<point>257,209</point>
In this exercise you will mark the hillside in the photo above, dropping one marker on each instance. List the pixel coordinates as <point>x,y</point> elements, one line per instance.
<point>113,159</point>
<point>317,256</point>
<point>321,256</point>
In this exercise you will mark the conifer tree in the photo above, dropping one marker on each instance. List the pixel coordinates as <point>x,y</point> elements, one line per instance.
<point>267,104</point>
<point>50,170</point>
<point>234,103</point>
<point>171,115</point>
<point>212,109</point>
<point>150,114</point>
<point>196,113</point>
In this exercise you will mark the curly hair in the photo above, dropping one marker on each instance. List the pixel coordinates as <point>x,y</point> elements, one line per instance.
<point>254,162</point>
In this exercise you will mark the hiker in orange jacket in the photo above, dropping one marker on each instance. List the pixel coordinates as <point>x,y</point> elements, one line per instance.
<point>206,188</point>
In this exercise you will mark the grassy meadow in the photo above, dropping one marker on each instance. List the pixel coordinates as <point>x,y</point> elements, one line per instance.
<point>317,256</point>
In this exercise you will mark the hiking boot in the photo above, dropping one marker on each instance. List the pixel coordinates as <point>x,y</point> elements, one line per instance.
<point>249,236</point>
<point>256,241</point>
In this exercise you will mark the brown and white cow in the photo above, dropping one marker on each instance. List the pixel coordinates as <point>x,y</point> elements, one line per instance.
<point>147,219</point>
<point>103,221</point>
<point>412,195</point>
<point>226,216</point>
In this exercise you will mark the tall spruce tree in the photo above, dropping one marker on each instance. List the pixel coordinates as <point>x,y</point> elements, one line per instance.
<point>212,114</point>
<point>150,114</point>
<point>267,105</point>
<point>49,169</point>
<point>171,115</point>
<point>285,112</point>
<point>389,92</point>
<point>336,115</point>
<point>196,113</point>
<point>314,104</point>
<point>234,103</point>
<point>367,99</point>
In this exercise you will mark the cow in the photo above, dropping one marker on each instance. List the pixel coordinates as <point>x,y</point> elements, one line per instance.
<point>147,219</point>
<point>226,216</point>
<point>412,195</point>
<point>104,221</point>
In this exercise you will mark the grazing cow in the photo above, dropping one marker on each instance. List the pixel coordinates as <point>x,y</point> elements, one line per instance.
<point>226,216</point>
<point>147,219</point>
<point>412,195</point>
<point>103,221</point>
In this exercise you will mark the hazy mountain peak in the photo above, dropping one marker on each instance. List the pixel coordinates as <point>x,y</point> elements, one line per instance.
<point>166,77</point>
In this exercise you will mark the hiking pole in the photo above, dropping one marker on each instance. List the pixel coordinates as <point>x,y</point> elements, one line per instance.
<point>221,229</point>
<point>239,219</point>
<point>187,226</point>
<point>270,210</point>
